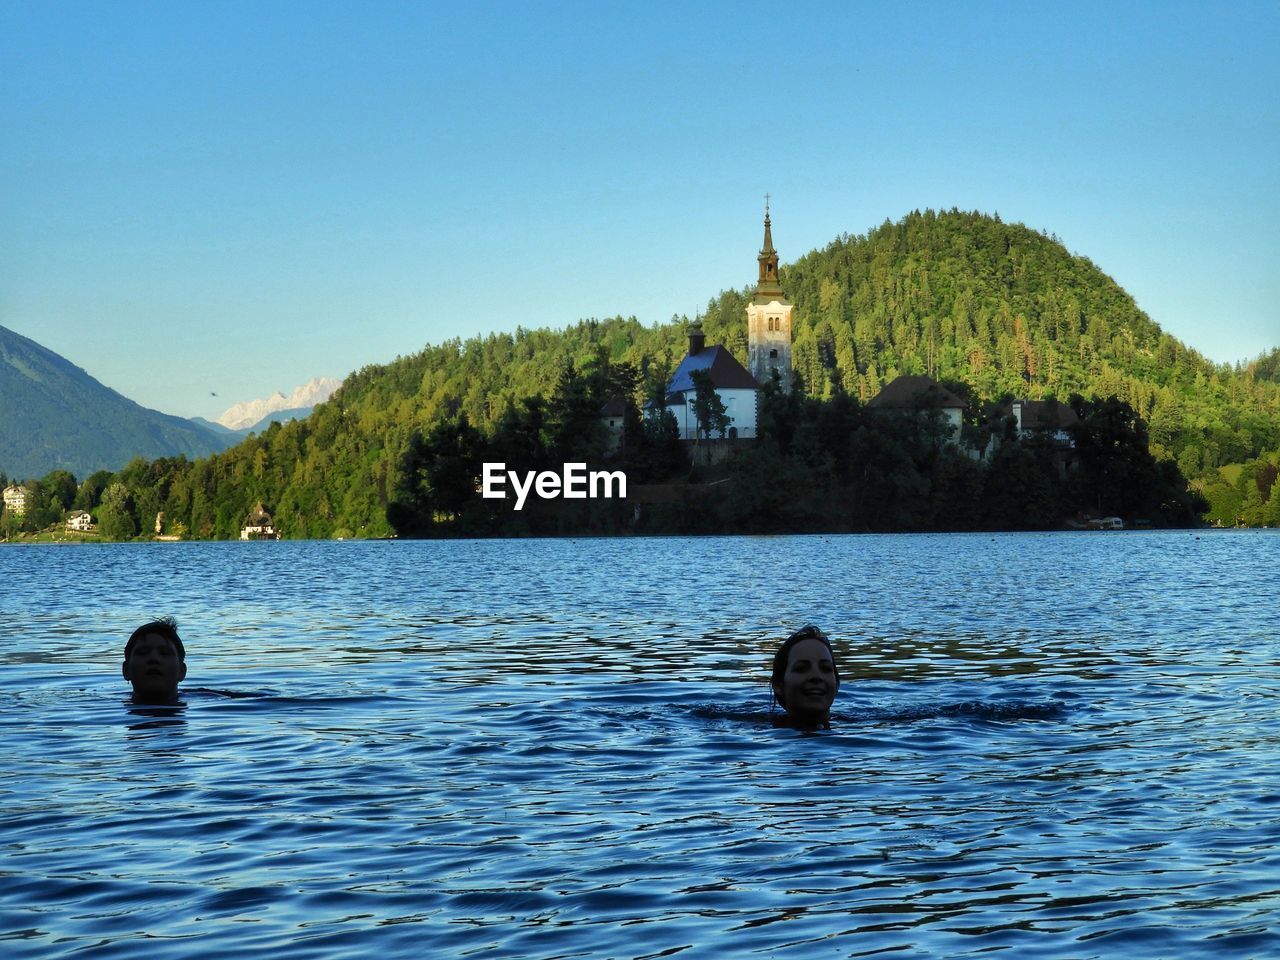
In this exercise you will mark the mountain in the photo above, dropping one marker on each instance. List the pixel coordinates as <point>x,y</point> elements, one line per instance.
<point>254,414</point>
<point>234,436</point>
<point>989,307</point>
<point>278,416</point>
<point>56,416</point>
<point>217,428</point>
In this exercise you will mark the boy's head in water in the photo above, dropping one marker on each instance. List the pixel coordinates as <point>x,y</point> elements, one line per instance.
<point>154,662</point>
<point>805,678</point>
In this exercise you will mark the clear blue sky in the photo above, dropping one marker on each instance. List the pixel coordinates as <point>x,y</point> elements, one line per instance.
<point>236,197</point>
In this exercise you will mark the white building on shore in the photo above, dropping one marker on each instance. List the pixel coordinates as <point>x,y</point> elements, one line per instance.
<point>15,499</point>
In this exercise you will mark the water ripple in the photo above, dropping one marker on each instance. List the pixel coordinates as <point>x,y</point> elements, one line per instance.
<point>1059,744</point>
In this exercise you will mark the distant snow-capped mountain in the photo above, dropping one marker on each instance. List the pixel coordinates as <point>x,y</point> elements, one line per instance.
<point>252,412</point>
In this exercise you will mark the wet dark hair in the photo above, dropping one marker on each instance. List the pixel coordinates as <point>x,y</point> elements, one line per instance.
<point>166,627</point>
<point>808,632</point>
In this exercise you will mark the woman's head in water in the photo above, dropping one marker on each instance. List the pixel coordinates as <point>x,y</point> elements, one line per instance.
<point>805,678</point>
<point>154,662</point>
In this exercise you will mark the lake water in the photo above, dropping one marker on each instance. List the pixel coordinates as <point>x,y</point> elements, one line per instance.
<point>1057,745</point>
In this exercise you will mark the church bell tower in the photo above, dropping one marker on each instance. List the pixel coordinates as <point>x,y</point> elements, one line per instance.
<point>769,319</point>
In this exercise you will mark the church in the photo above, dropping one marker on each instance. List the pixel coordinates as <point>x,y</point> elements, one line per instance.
<point>769,319</point>
<point>768,352</point>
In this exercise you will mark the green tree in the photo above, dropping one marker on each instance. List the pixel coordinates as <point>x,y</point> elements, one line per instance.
<point>709,410</point>
<point>1271,514</point>
<point>439,474</point>
<point>89,493</point>
<point>571,417</point>
<point>58,489</point>
<point>116,517</point>
<point>1020,490</point>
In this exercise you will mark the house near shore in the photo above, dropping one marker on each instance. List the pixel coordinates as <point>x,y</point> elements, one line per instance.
<point>259,525</point>
<point>81,522</point>
<point>1049,419</point>
<point>920,395</point>
<point>15,499</point>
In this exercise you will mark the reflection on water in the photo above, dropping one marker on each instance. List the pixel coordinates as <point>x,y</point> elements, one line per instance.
<point>1063,744</point>
<point>150,717</point>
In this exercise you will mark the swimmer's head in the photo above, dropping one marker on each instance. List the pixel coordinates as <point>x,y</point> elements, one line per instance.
<point>805,678</point>
<point>155,661</point>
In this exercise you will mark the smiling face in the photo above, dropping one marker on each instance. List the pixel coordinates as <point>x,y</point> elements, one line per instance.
<point>809,681</point>
<point>154,667</point>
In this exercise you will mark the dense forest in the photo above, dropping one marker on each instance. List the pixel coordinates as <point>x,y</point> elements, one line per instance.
<point>991,309</point>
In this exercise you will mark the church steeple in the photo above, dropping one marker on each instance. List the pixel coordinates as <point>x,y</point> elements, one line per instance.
<point>769,318</point>
<point>768,288</point>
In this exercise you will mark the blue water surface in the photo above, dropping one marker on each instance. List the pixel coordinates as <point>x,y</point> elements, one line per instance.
<point>1059,745</point>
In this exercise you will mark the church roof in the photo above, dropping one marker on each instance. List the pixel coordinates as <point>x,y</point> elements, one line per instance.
<point>726,372</point>
<point>915,392</point>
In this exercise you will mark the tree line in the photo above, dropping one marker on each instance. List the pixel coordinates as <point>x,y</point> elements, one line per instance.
<point>832,465</point>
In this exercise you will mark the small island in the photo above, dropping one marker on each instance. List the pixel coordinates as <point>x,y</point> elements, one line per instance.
<point>946,372</point>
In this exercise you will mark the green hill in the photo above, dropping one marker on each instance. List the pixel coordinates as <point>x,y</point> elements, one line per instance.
<point>56,416</point>
<point>992,306</point>
<point>1004,309</point>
